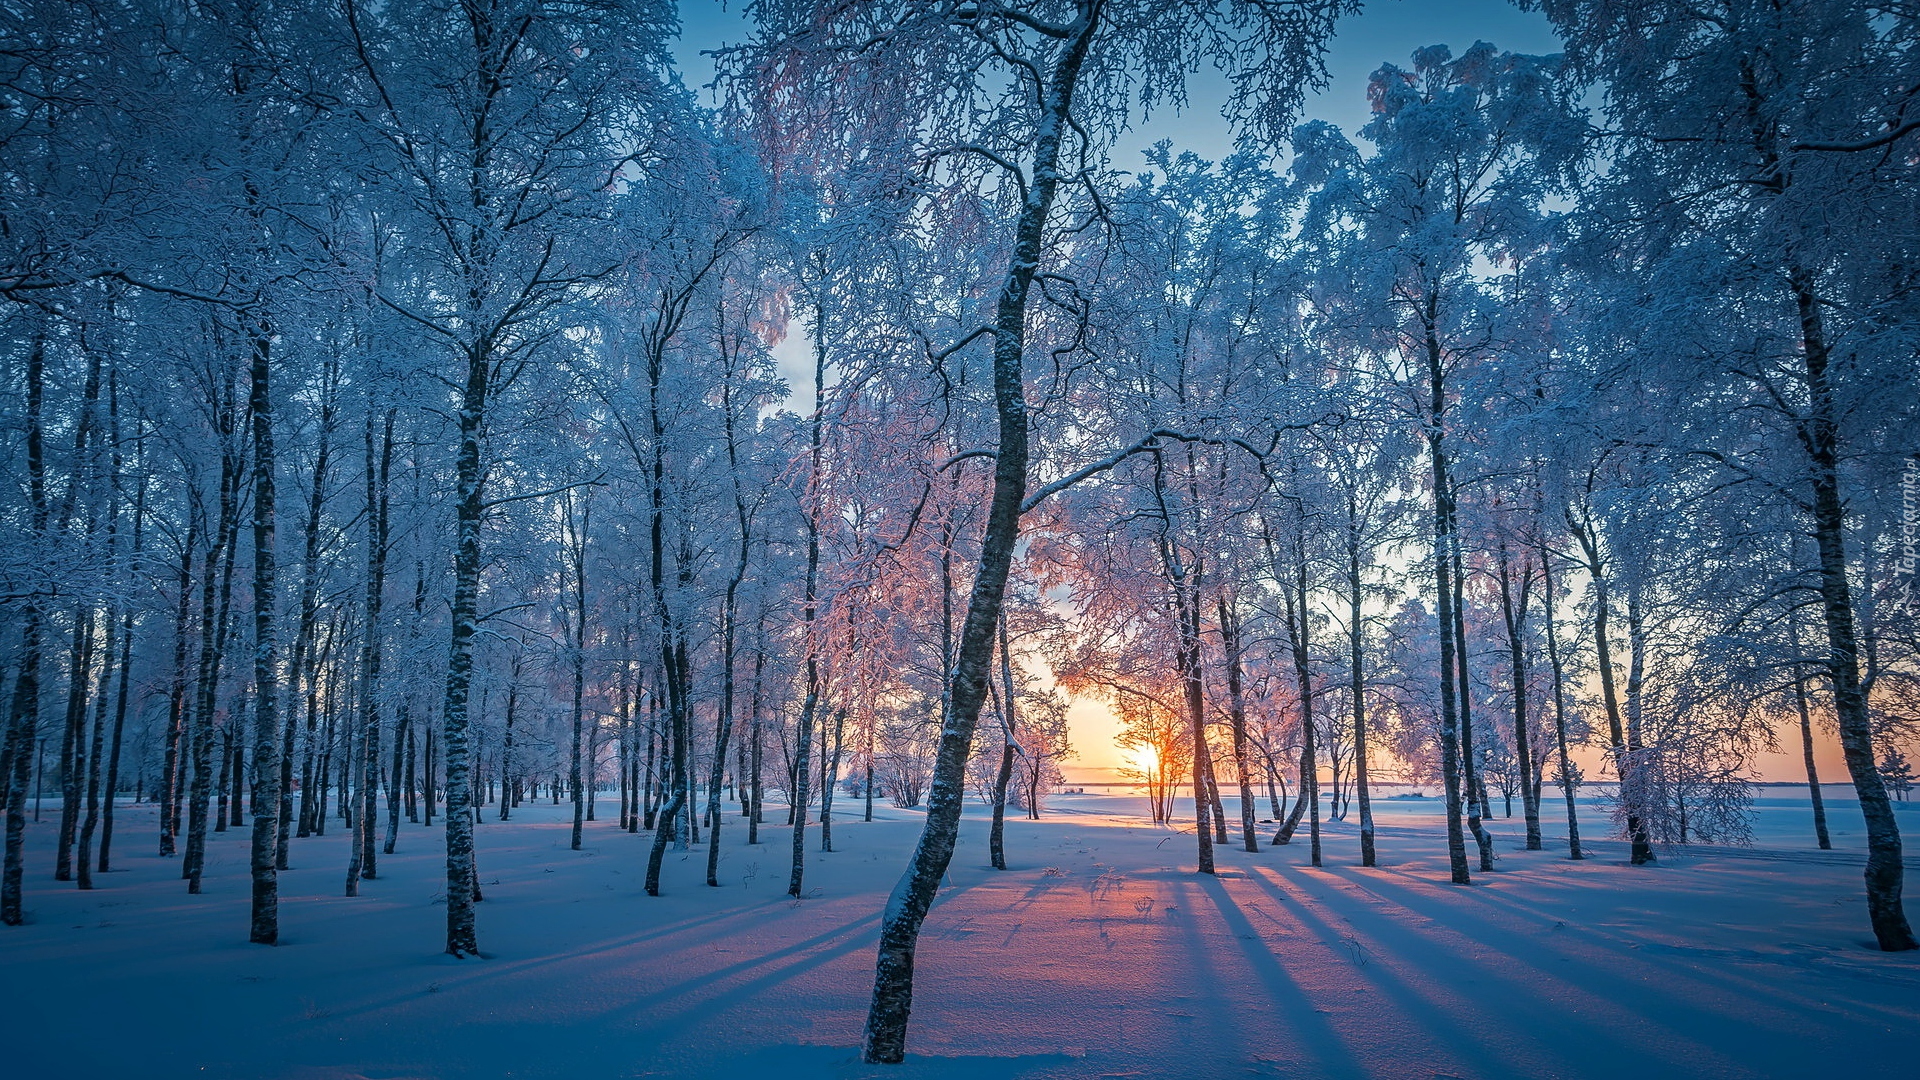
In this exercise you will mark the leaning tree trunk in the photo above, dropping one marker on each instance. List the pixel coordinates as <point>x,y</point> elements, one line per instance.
<point>1819,433</point>
<point>886,1031</point>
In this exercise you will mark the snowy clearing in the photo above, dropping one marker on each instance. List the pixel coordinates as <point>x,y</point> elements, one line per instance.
<point>1100,954</point>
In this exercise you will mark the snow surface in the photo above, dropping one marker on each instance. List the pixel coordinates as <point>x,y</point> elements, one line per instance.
<point>1100,954</point>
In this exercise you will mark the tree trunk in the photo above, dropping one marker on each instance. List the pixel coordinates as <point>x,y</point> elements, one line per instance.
<point>120,699</point>
<point>886,1031</point>
<point>1478,808</point>
<point>830,767</point>
<point>216,582</point>
<point>1514,610</point>
<point>1186,613</point>
<point>462,938</point>
<point>1819,433</point>
<point>1813,775</point>
<point>1308,804</point>
<point>1443,588</point>
<point>755,751</point>
<point>1567,786</point>
<point>264,924</point>
<point>172,760</point>
<point>809,608</point>
<point>23,713</point>
<point>578,549</point>
<point>97,748</point>
<point>73,750</point>
<point>1237,717</point>
<point>1585,533</point>
<point>1003,704</point>
<point>1356,680</point>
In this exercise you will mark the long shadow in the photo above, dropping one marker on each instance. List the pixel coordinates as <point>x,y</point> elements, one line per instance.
<point>1604,1008</point>
<point>1412,1002</point>
<point>1456,905</point>
<point>1666,965</point>
<point>672,1005</point>
<point>1330,1052</point>
<point>475,979</point>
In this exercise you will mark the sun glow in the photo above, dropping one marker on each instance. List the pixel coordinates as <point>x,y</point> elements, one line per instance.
<point>1144,759</point>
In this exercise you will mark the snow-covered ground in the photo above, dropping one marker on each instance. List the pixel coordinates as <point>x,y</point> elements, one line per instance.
<point>1100,954</point>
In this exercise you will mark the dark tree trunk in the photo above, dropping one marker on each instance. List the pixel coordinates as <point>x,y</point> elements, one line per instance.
<point>73,744</point>
<point>886,1031</point>
<point>91,826</point>
<point>83,858</point>
<point>1819,433</point>
<point>1478,808</point>
<point>755,751</point>
<point>360,857</point>
<point>120,699</point>
<point>1623,749</point>
<point>1187,615</point>
<point>1813,774</point>
<point>1513,606</point>
<point>809,610</point>
<point>1308,804</point>
<point>1450,748</point>
<point>172,760</point>
<point>1356,680</point>
<point>836,738</point>
<point>462,939</point>
<point>23,712</point>
<point>1567,786</point>
<point>1003,703</point>
<point>1237,715</point>
<point>264,923</point>
<point>73,750</point>
<point>577,546</point>
<point>215,591</point>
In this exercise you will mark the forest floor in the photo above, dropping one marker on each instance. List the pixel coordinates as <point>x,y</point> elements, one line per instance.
<point>1099,954</point>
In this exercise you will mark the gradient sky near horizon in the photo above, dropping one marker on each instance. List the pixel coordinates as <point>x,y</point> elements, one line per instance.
<point>1385,31</point>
